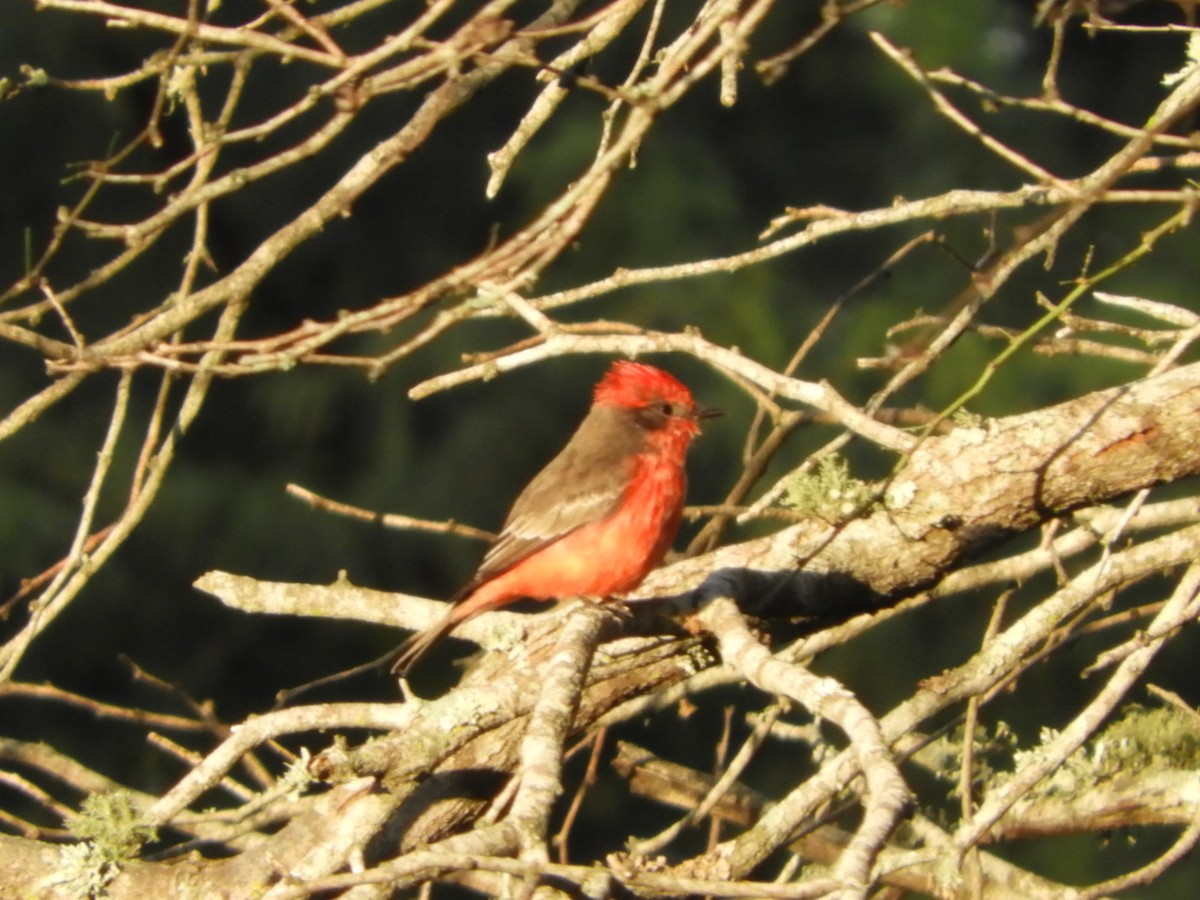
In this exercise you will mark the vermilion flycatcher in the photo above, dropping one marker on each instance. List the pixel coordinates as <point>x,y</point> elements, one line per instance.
<point>602,513</point>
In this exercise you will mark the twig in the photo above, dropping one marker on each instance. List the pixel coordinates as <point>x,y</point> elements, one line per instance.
<point>57,594</point>
<point>212,769</point>
<point>886,794</point>
<point>388,520</point>
<point>966,779</point>
<point>214,34</point>
<point>1183,846</point>
<point>819,395</point>
<point>560,840</point>
<point>191,758</point>
<point>720,787</point>
<point>540,768</point>
<point>100,709</point>
<point>947,109</point>
<point>1175,700</point>
<point>1067,741</point>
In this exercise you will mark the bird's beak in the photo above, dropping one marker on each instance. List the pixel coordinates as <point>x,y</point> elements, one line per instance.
<point>707,412</point>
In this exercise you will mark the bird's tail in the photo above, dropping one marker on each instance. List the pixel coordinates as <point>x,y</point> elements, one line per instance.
<point>421,642</point>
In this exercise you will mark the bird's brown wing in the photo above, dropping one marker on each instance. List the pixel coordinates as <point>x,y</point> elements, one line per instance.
<point>583,484</point>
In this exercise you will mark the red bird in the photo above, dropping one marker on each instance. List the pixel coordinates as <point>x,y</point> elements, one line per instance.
<point>601,515</point>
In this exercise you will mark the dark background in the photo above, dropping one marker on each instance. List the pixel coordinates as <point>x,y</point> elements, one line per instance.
<point>845,128</point>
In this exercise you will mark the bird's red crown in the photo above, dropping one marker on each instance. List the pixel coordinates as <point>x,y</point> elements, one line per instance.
<point>637,384</point>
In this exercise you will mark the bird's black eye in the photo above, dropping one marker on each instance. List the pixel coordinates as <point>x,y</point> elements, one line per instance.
<point>656,415</point>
